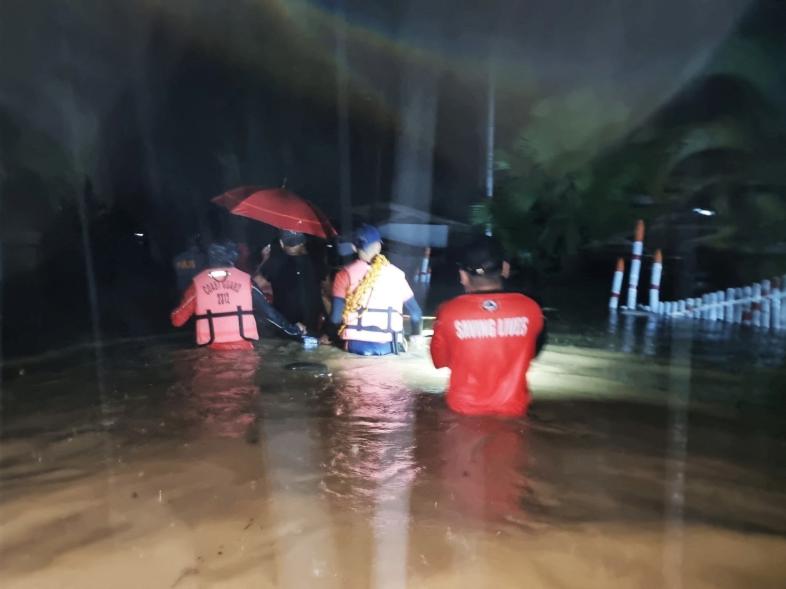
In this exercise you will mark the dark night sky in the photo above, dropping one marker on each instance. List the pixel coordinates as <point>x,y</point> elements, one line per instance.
<point>152,107</point>
<point>182,99</point>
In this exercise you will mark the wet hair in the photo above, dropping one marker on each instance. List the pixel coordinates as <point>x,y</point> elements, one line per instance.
<point>222,255</point>
<point>482,258</point>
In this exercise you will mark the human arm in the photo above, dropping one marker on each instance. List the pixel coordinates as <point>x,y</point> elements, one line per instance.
<point>338,304</point>
<point>186,308</point>
<point>264,310</point>
<point>415,315</point>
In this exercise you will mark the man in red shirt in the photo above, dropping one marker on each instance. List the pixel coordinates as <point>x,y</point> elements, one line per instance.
<point>487,337</point>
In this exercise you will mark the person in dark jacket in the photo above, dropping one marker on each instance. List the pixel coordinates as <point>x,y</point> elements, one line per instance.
<point>295,278</point>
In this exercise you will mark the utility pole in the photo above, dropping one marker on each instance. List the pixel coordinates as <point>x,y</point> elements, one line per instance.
<point>491,111</point>
<point>344,151</point>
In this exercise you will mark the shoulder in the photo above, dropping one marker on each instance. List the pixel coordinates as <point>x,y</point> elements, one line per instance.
<point>456,304</point>
<point>272,264</point>
<point>525,301</point>
<point>341,282</point>
<point>395,271</point>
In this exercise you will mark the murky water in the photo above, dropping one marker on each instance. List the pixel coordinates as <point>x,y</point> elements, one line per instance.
<point>652,457</point>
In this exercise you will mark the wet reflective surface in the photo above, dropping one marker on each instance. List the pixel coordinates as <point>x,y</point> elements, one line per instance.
<point>647,461</point>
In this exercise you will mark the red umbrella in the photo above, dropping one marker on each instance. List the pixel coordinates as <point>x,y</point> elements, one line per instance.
<point>278,207</point>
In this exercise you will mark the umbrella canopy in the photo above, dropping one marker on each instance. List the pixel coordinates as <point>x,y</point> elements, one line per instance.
<point>278,207</point>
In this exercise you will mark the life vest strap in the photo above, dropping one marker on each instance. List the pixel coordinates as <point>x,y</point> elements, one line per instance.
<point>210,315</point>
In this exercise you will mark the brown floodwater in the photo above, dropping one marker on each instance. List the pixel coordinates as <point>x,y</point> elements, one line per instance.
<point>148,464</point>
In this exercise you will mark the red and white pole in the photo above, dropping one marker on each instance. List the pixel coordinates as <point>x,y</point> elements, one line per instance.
<point>425,267</point>
<point>616,284</point>
<point>423,273</point>
<point>635,264</point>
<point>657,272</point>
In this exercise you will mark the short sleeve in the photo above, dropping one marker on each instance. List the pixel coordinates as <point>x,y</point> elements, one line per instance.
<point>405,290</point>
<point>341,284</point>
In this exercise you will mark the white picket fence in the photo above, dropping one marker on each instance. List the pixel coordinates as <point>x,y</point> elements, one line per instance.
<point>762,304</point>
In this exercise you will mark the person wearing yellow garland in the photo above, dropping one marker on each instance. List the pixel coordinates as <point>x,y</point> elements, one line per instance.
<point>369,299</point>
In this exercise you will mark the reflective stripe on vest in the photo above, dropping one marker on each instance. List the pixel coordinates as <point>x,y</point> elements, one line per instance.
<point>224,311</point>
<point>381,316</point>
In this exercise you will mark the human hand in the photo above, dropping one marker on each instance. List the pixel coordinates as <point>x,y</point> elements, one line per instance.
<point>325,340</point>
<point>416,343</point>
<point>265,254</point>
<point>301,328</point>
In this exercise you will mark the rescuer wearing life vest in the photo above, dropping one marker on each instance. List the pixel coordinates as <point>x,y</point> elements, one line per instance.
<point>224,304</point>
<point>369,297</point>
<point>487,337</point>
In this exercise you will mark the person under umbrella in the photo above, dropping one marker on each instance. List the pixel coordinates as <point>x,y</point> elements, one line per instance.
<point>295,277</point>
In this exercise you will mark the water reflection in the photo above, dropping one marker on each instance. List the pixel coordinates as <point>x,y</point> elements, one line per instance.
<point>215,392</point>
<point>267,477</point>
<point>477,466</point>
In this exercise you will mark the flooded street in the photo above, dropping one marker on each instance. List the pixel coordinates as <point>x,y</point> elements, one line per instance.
<point>655,462</point>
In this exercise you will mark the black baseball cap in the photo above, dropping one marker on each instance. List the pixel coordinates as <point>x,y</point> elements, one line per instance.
<point>483,255</point>
<point>292,238</point>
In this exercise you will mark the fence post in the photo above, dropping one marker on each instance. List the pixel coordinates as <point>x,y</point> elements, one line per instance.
<point>712,312</point>
<point>728,309</point>
<point>756,305</point>
<point>616,284</point>
<point>739,295</point>
<point>747,313</point>
<point>635,264</point>
<point>765,304</point>
<point>657,273</point>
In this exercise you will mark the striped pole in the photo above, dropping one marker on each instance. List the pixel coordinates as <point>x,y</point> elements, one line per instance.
<point>424,275</point>
<point>776,304</point>
<point>635,264</point>
<point>682,307</point>
<point>616,284</point>
<point>657,272</point>
<point>747,312</point>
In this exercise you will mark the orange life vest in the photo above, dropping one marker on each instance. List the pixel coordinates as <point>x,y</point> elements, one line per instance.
<point>224,311</point>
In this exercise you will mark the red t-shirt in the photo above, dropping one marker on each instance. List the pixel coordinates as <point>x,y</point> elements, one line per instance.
<point>487,340</point>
